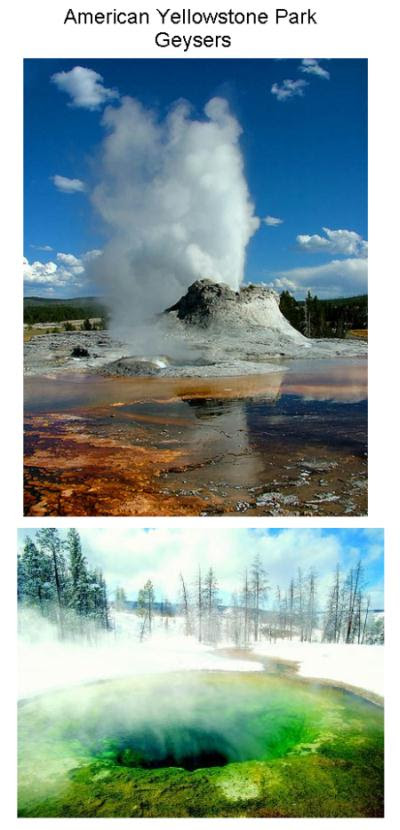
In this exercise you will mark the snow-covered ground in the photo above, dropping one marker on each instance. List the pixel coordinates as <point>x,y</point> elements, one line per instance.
<point>353,665</point>
<point>46,663</point>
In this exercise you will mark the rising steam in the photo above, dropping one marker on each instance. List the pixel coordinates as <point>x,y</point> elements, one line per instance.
<point>173,195</point>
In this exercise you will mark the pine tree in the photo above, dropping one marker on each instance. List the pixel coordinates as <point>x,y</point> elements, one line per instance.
<point>50,544</point>
<point>300,604</point>
<point>210,603</point>
<point>235,622</point>
<point>186,606</point>
<point>34,577</point>
<point>62,588</point>
<point>79,589</point>
<point>120,599</point>
<point>311,609</point>
<point>145,606</point>
<point>353,585</point>
<point>259,589</point>
<point>291,607</point>
<point>246,602</point>
<point>199,606</point>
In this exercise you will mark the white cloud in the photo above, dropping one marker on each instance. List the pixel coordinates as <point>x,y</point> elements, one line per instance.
<point>71,262</point>
<point>41,247</point>
<point>67,271</point>
<point>288,89</point>
<point>337,278</point>
<point>348,243</point>
<point>162,554</point>
<point>310,66</point>
<point>85,87</point>
<point>272,221</point>
<point>39,272</point>
<point>66,185</point>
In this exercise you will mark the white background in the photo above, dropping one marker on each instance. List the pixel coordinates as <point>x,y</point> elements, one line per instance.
<point>346,28</point>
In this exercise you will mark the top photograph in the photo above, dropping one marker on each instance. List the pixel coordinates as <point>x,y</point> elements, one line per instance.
<point>195,287</point>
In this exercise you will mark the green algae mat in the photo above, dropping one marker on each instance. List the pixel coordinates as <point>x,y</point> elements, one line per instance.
<point>201,744</point>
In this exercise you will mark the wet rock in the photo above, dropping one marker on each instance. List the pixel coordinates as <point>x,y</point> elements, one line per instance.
<point>314,465</point>
<point>79,351</point>
<point>320,498</point>
<point>289,500</point>
<point>128,366</point>
<point>242,506</point>
<point>267,498</point>
<point>360,483</point>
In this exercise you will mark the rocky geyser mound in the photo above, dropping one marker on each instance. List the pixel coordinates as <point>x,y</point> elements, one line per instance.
<point>209,304</point>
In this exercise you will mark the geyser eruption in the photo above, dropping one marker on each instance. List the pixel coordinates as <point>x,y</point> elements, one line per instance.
<point>173,194</point>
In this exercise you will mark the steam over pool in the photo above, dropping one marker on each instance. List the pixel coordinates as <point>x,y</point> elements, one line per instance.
<point>205,744</point>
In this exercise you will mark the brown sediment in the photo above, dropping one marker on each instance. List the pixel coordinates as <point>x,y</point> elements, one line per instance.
<point>70,472</point>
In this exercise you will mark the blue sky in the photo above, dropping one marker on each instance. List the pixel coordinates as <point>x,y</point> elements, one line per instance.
<point>130,557</point>
<point>304,144</point>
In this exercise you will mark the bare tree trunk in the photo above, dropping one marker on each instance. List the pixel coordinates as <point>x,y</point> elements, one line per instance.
<point>365,620</point>
<point>188,630</point>
<point>200,606</point>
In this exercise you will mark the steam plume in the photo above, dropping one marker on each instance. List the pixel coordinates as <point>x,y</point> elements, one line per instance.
<point>173,195</point>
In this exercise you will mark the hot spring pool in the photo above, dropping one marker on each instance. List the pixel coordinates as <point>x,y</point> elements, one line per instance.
<point>201,744</point>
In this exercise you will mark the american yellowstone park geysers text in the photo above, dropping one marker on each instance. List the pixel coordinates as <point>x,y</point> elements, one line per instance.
<point>187,17</point>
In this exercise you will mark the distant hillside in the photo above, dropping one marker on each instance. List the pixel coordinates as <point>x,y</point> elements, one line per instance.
<point>55,310</point>
<point>59,301</point>
<point>312,316</point>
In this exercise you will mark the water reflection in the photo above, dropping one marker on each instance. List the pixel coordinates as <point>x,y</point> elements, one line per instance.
<point>344,381</point>
<point>292,442</point>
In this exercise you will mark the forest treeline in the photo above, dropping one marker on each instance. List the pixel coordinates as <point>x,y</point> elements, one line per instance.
<point>325,318</point>
<point>259,611</point>
<point>54,578</point>
<point>37,310</point>
<point>312,317</point>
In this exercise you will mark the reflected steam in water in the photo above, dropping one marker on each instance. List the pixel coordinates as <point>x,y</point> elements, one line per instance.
<point>291,442</point>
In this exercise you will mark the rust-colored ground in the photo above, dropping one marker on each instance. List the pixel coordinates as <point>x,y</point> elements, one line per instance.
<point>70,472</point>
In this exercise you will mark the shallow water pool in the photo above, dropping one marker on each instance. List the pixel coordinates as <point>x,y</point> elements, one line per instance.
<point>291,442</point>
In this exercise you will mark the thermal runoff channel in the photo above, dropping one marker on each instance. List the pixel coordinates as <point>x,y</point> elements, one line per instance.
<point>229,697</point>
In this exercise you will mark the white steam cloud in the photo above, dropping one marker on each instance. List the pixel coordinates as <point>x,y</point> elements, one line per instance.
<point>45,662</point>
<point>174,197</point>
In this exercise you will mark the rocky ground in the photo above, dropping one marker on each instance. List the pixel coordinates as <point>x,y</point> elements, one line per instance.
<point>211,331</point>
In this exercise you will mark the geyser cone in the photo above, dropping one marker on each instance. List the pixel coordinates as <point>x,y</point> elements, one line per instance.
<point>209,303</point>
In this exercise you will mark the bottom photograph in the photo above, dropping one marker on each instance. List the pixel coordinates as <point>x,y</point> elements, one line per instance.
<point>200,673</point>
